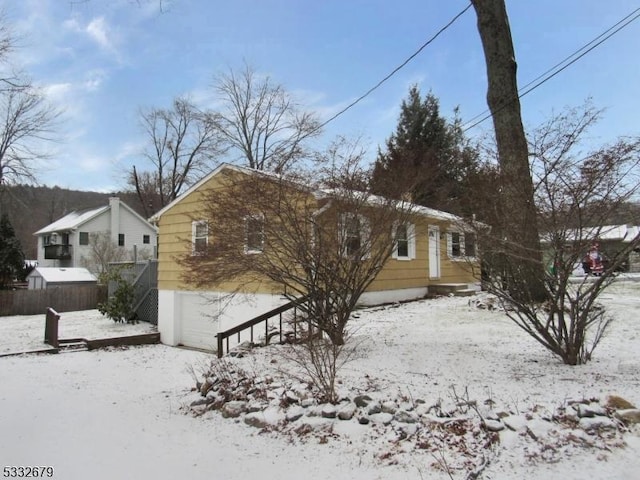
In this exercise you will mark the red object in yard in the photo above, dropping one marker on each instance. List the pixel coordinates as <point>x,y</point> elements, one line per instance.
<point>594,260</point>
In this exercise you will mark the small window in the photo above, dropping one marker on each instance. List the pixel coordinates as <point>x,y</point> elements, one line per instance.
<point>354,230</point>
<point>254,242</point>
<point>121,239</point>
<point>404,240</point>
<point>456,245</point>
<point>146,239</point>
<point>46,240</point>
<point>199,237</point>
<point>84,238</point>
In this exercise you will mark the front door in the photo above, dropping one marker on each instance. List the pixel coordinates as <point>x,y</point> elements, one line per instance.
<point>434,252</point>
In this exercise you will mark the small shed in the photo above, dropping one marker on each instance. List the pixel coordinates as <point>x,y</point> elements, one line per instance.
<point>49,277</point>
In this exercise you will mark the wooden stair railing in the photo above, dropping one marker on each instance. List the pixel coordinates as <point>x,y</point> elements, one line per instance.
<point>265,317</point>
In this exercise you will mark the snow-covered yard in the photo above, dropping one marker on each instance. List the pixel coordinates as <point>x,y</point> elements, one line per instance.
<point>122,413</point>
<point>24,333</point>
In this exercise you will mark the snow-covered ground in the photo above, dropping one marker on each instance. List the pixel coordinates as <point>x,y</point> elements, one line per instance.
<point>122,413</point>
<point>24,333</point>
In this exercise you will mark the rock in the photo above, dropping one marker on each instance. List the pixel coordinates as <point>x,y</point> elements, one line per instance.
<point>389,407</point>
<point>362,401</point>
<point>256,419</point>
<point>494,425</point>
<point>201,401</point>
<point>347,411</point>
<point>596,423</point>
<point>307,402</point>
<point>590,410</point>
<point>255,407</point>
<point>374,408</point>
<point>328,411</point>
<point>294,413</point>
<point>383,418</point>
<point>364,420</point>
<point>407,429</point>
<point>630,415</point>
<point>233,409</point>
<point>291,397</point>
<point>403,416</point>
<point>516,423</point>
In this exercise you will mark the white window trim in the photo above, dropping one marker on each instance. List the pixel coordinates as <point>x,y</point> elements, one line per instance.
<point>247,250</point>
<point>194,225</point>
<point>411,240</point>
<point>365,234</point>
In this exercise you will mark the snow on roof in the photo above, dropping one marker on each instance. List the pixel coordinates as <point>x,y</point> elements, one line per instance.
<point>623,233</point>
<point>72,220</point>
<point>54,274</point>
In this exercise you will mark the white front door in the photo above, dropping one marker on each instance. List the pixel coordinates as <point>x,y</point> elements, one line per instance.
<point>434,251</point>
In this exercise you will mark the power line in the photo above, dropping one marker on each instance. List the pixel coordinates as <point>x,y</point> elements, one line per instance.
<point>395,70</point>
<point>597,41</point>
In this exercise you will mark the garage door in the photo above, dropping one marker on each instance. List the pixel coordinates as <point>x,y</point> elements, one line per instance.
<point>198,327</point>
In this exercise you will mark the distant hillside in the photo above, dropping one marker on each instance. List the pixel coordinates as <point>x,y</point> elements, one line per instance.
<point>31,208</point>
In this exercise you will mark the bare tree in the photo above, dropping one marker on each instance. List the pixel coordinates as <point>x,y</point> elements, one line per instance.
<point>183,145</point>
<point>576,196</point>
<point>102,252</point>
<point>260,122</point>
<point>26,121</point>
<point>519,231</point>
<point>325,240</point>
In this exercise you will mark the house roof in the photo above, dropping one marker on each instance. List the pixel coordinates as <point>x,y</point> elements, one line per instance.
<point>55,275</point>
<point>75,219</point>
<point>72,220</point>
<point>418,209</point>
<point>623,233</point>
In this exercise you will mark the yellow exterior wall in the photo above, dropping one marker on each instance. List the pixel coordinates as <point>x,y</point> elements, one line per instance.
<point>175,232</point>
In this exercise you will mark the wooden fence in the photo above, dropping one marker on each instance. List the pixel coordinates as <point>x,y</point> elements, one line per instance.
<point>61,299</point>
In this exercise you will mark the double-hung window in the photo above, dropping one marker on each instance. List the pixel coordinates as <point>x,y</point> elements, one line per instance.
<point>354,236</point>
<point>199,237</point>
<point>254,234</point>
<point>404,247</point>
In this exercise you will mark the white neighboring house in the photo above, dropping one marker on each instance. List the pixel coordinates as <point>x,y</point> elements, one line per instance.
<point>65,242</point>
<point>42,277</point>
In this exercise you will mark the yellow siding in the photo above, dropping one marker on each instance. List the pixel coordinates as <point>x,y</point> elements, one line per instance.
<point>175,240</point>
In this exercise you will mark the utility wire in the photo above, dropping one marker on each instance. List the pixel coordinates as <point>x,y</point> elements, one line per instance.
<point>395,70</point>
<point>597,41</point>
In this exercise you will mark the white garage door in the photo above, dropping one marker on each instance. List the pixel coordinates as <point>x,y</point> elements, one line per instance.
<point>198,326</point>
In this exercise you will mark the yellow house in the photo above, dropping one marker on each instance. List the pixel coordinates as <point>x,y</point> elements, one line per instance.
<point>433,251</point>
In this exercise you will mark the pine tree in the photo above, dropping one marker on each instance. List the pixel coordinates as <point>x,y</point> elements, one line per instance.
<point>11,256</point>
<point>428,156</point>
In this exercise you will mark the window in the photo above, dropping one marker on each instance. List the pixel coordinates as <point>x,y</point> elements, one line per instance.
<point>354,231</point>
<point>461,245</point>
<point>404,242</point>
<point>121,239</point>
<point>456,246</point>
<point>254,234</point>
<point>199,237</point>
<point>146,239</point>
<point>46,240</point>
<point>84,238</point>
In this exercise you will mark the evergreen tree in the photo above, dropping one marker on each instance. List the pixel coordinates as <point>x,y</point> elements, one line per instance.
<point>11,256</point>
<point>428,156</point>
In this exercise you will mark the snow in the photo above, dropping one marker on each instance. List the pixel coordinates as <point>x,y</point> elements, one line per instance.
<point>25,333</point>
<point>58,274</point>
<point>72,220</point>
<point>121,413</point>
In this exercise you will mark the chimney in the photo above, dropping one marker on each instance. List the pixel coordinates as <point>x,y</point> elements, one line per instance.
<point>114,205</point>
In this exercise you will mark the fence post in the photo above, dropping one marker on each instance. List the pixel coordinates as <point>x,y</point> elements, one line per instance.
<point>51,327</point>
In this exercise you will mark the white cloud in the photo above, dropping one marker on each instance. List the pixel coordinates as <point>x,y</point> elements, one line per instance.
<point>99,31</point>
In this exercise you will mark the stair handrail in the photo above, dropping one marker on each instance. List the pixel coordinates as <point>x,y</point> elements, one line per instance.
<point>249,324</point>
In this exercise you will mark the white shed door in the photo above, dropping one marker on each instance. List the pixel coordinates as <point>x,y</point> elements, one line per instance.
<point>198,328</point>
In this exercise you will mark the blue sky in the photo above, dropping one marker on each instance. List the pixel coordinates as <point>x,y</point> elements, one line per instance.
<point>101,60</point>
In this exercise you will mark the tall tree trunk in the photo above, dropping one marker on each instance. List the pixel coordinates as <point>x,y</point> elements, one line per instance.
<point>523,257</point>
